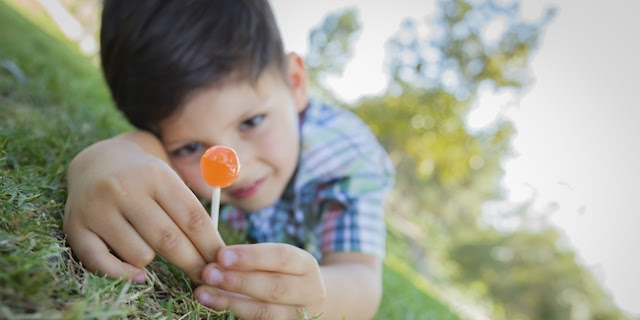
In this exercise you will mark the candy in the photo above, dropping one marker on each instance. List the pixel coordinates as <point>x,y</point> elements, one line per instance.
<point>220,166</point>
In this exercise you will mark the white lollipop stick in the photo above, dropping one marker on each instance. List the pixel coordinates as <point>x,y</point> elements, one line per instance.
<point>215,206</point>
<point>220,168</point>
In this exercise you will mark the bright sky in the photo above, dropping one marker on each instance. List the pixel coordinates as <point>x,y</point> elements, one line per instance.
<point>576,144</point>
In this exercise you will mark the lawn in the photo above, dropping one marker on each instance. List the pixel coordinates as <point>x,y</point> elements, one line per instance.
<point>53,103</point>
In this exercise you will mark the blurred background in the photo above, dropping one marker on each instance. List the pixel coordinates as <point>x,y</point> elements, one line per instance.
<point>572,160</point>
<point>511,127</point>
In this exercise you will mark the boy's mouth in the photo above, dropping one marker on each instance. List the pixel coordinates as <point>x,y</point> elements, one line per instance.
<point>248,191</point>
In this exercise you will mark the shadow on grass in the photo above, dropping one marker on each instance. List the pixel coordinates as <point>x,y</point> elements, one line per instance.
<point>407,294</point>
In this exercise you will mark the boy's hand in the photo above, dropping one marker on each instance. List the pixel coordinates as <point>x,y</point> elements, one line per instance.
<point>123,198</point>
<point>263,281</point>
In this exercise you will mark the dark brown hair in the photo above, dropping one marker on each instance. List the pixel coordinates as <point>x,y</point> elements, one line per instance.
<point>155,53</point>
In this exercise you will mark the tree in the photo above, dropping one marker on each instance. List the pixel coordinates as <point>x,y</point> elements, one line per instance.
<point>451,170</point>
<point>531,275</point>
<point>447,172</point>
<point>330,47</point>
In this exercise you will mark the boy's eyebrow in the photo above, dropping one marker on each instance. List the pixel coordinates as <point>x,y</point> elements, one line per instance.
<point>176,144</point>
<point>250,108</point>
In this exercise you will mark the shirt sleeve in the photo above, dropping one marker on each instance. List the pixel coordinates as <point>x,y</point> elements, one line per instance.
<point>352,211</point>
<point>352,177</point>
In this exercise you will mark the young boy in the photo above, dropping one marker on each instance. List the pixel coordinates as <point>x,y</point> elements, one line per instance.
<point>192,74</point>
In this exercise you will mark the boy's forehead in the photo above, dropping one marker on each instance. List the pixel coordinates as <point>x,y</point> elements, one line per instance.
<point>225,103</point>
<point>239,88</point>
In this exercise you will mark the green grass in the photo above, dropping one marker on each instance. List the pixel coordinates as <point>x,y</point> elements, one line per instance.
<point>53,103</point>
<point>407,293</point>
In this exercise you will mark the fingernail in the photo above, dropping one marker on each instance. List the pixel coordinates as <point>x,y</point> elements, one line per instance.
<point>140,278</point>
<point>205,299</point>
<point>228,258</point>
<point>214,276</point>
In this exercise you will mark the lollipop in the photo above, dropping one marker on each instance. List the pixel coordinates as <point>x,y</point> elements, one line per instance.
<point>220,168</point>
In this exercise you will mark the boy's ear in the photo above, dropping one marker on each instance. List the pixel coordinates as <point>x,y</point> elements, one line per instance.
<point>298,80</point>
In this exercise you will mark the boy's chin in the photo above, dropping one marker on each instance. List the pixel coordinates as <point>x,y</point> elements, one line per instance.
<point>251,207</point>
<point>253,204</point>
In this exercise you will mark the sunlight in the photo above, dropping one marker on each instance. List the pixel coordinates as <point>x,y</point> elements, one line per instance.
<point>489,107</point>
<point>69,26</point>
<point>568,127</point>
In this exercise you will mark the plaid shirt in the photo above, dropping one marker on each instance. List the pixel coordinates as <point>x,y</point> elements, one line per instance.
<point>334,201</point>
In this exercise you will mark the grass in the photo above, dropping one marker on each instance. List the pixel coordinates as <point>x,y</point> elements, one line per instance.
<point>53,103</point>
<point>407,293</point>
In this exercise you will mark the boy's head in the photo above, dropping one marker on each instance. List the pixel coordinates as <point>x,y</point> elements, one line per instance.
<point>199,73</point>
<point>155,53</point>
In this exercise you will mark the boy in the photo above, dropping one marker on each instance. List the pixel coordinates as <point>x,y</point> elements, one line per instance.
<point>191,74</point>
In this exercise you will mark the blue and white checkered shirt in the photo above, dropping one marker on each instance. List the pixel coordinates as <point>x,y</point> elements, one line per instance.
<point>335,199</point>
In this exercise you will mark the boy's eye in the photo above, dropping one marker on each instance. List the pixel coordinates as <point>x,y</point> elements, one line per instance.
<point>251,122</point>
<point>189,149</point>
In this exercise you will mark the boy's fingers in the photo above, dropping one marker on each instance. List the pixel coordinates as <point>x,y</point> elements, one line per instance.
<point>191,217</point>
<point>95,256</point>
<point>276,257</point>
<point>124,239</point>
<point>243,307</point>
<point>165,237</point>
<point>266,286</point>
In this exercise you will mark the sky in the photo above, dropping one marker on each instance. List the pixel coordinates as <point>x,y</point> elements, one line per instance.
<point>575,150</point>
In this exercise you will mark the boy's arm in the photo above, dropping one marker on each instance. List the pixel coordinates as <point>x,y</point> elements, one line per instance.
<point>353,282</point>
<point>125,203</point>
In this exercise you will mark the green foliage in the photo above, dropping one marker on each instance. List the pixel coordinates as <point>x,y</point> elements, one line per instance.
<point>330,46</point>
<point>462,56</point>
<point>539,278</point>
<point>447,172</point>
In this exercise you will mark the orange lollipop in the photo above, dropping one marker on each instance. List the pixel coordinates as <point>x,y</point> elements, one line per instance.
<point>220,168</point>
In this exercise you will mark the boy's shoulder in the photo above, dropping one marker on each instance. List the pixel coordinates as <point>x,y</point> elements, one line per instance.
<point>323,122</point>
<point>336,143</point>
<point>322,113</point>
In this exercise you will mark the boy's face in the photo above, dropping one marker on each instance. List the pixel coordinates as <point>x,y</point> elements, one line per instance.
<point>259,122</point>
